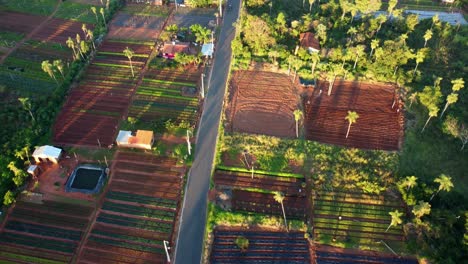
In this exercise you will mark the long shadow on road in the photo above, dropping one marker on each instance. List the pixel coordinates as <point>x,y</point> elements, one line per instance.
<point>189,244</point>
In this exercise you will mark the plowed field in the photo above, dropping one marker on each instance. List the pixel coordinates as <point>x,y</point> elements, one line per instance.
<point>262,103</point>
<point>379,126</point>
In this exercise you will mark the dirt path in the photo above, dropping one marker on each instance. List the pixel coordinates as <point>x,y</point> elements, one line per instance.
<point>27,37</point>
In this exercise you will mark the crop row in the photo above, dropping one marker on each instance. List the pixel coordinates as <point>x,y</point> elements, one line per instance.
<point>139,211</point>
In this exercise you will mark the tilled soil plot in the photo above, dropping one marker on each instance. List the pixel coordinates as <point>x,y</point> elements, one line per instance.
<point>19,22</point>
<point>379,126</point>
<point>262,103</point>
<point>128,26</point>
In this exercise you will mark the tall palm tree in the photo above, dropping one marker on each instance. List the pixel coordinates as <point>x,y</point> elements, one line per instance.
<point>279,198</point>
<point>359,51</point>
<point>311,3</point>
<point>90,36</point>
<point>297,116</point>
<point>315,58</point>
<point>420,56</point>
<point>451,99</point>
<point>352,117</point>
<point>413,97</point>
<point>26,104</point>
<point>421,209</point>
<point>47,67</point>
<point>93,9</point>
<point>374,44</point>
<point>102,11</point>
<point>410,182</point>
<point>396,219</point>
<point>58,64</point>
<point>71,44</point>
<point>84,29</point>
<point>427,36</point>
<point>129,54</point>
<point>445,184</point>
<point>433,110</point>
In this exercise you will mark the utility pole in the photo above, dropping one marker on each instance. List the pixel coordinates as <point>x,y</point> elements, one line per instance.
<point>175,1</point>
<point>166,248</point>
<point>202,91</point>
<point>220,8</point>
<point>189,147</point>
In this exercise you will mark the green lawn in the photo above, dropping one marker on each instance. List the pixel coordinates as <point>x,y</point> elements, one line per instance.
<point>36,7</point>
<point>77,12</point>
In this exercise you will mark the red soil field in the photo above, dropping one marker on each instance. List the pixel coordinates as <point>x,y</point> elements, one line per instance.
<point>291,186</point>
<point>379,126</point>
<point>19,22</point>
<point>265,246</point>
<point>94,108</point>
<point>295,206</point>
<point>58,30</point>
<point>262,103</point>
<point>127,26</point>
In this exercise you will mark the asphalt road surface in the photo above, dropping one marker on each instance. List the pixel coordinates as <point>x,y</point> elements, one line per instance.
<point>189,243</point>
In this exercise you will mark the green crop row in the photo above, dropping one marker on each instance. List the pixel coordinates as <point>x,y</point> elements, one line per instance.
<point>121,54</point>
<point>139,211</point>
<point>125,244</point>
<point>142,199</point>
<point>279,174</point>
<point>126,237</point>
<point>29,259</point>
<point>170,82</point>
<point>135,223</point>
<point>164,94</point>
<point>38,242</point>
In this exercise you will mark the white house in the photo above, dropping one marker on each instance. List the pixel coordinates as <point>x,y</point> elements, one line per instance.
<point>47,153</point>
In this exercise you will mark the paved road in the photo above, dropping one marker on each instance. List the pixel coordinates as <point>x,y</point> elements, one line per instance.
<point>193,219</point>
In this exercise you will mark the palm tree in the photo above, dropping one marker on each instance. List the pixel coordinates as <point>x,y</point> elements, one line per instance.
<point>102,11</point>
<point>90,36</point>
<point>297,116</point>
<point>78,45</point>
<point>26,104</point>
<point>242,243</point>
<point>451,99</point>
<point>391,6</point>
<point>352,117</point>
<point>421,209</point>
<point>296,63</point>
<point>279,198</point>
<point>273,53</point>
<point>71,44</point>
<point>433,110</point>
<point>359,52</point>
<point>420,56</point>
<point>311,2</point>
<point>413,97</point>
<point>445,184</point>
<point>458,84</point>
<point>315,57</point>
<point>85,30</point>
<point>374,44</point>
<point>47,67</point>
<point>93,9</point>
<point>396,219</point>
<point>410,182</point>
<point>60,67</point>
<point>427,36</point>
<point>203,35</point>
<point>129,54</point>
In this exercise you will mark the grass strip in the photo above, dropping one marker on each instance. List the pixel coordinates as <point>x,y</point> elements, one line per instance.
<point>279,174</point>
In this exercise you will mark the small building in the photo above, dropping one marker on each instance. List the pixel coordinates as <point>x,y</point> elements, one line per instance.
<point>310,42</point>
<point>448,1</point>
<point>169,50</point>
<point>47,154</point>
<point>34,170</point>
<point>141,139</point>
